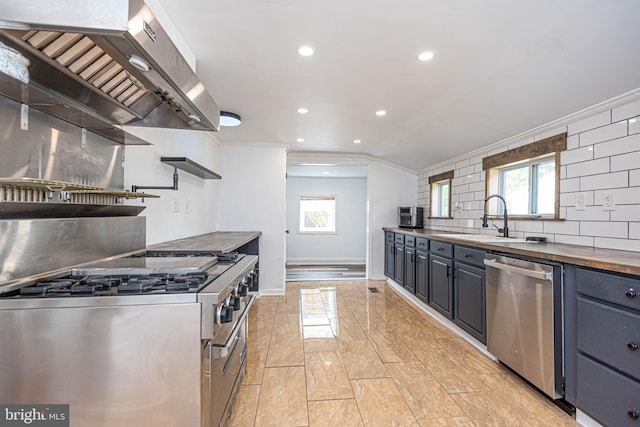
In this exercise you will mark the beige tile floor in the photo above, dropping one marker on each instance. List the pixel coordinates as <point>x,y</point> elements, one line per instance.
<point>335,354</point>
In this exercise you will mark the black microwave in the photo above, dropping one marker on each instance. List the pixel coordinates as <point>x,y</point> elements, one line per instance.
<point>410,217</point>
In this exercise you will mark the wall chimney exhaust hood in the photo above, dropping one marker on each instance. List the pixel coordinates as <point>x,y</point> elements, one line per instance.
<point>106,63</point>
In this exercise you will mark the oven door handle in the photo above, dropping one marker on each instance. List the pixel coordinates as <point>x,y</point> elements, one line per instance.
<point>218,352</point>
<point>536,274</point>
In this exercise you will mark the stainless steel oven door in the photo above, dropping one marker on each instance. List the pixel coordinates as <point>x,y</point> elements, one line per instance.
<point>224,364</point>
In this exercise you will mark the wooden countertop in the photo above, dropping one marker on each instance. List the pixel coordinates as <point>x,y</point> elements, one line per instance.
<point>220,241</point>
<point>604,259</point>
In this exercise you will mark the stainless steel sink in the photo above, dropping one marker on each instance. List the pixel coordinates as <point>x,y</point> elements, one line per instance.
<point>480,238</point>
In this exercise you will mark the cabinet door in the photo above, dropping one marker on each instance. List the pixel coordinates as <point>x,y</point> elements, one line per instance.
<point>410,269</point>
<point>389,259</point>
<point>469,297</point>
<point>399,265</point>
<point>441,284</point>
<point>422,275</point>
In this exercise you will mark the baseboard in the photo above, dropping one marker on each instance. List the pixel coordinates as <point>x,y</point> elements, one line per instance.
<point>325,261</point>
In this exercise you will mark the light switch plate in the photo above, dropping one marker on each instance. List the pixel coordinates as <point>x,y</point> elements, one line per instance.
<point>608,202</point>
<point>580,201</point>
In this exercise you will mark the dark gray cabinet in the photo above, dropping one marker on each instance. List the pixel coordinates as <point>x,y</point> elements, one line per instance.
<point>398,273</point>
<point>410,269</point>
<point>469,292</point>
<point>607,344</point>
<point>422,269</point>
<point>441,284</point>
<point>389,255</point>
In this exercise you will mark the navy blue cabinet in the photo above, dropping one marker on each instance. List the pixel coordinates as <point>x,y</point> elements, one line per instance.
<point>607,344</point>
<point>441,284</point>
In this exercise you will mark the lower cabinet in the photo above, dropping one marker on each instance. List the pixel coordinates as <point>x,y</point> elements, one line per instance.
<point>469,300</point>
<point>422,275</point>
<point>441,284</point>
<point>389,259</point>
<point>608,346</point>
<point>398,273</point>
<point>410,269</point>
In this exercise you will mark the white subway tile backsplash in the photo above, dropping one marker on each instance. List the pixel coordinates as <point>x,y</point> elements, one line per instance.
<point>591,167</point>
<point>626,111</point>
<point>573,142</point>
<point>589,123</point>
<point>611,166</point>
<point>607,180</point>
<point>625,161</point>
<point>590,213</point>
<point>622,196</point>
<point>634,125</point>
<point>562,227</point>
<point>605,133</point>
<point>604,229</point>
<point>574,240</point>
<point>578,155</point>
<point>469,170</point>
<point>619,244</point>
<point>624,145</point>
<point>629,213</point>
<point>569,185</point>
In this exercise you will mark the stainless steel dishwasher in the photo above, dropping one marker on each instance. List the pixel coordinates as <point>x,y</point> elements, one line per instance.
<point>524,319</point>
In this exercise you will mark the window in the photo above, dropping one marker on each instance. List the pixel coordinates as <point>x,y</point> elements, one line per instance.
<point>317,214</point>
<point>441,195</point>
<point>527,178</point>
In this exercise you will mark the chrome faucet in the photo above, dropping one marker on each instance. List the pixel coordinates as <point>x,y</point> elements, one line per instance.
<point>505,228</point>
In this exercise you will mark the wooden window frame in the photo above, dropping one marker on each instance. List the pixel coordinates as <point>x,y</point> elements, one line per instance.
<point>524,154</point>
<point>436,179</point>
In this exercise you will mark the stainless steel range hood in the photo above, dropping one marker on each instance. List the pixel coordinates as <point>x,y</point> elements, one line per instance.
<point>103,63</point>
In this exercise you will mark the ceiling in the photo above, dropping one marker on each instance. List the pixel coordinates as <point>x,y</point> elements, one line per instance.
<point>502,67</point>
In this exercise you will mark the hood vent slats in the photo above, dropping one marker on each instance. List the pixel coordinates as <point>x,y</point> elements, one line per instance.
<point>81,56</point>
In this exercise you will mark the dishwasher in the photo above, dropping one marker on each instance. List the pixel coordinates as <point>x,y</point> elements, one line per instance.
<point>524,319</point>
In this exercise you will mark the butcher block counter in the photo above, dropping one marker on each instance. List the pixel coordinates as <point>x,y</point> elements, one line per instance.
<point>218,242</point>
<point>604,259</point>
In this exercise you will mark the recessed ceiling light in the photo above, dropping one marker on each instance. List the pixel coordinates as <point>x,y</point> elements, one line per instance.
<point>380,113</point>
<point>305,50</point>
<point>632,120</point>
<point>357,141</point>
<point>326,173</point>
<point>303,110</point>
<point>300,140</point>
<point>317,164</point>
<point>427,55</point>
<point>229,119</point>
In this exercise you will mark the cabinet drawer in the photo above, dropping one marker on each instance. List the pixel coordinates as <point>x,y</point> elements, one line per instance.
<point>470,256</point>
<point>422,244</point>
<point>409,240</point>
<point>440,248</point>
<point>609,287</point>
<point>610,335</point>
<point>399,238</point>
<point>605,395</point>
<point>389,236</point>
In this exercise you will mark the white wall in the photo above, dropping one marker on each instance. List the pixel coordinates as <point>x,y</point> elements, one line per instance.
<point>193,208</point>
<point>389,187</point>
<point>602,157</point>
<point>348,244</point>
<point>252,198</point>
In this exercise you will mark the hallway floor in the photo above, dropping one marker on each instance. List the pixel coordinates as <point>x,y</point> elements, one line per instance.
<point>337,354</point>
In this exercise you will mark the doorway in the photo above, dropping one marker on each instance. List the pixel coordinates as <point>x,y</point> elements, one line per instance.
<point>326,222</point>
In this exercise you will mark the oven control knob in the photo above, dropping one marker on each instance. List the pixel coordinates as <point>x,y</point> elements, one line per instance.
<point>224,314</point>
<point>236,303</point>
<point>242,290</point>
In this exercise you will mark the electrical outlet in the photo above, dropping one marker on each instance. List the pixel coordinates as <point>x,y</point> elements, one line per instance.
<point>176,206</point>
<point>608,202</point>
<point>580,201</point>
<point>83,138</point>
<point>186,207</point>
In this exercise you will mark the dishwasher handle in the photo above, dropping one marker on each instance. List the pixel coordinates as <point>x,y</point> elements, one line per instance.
<point>519,270</point>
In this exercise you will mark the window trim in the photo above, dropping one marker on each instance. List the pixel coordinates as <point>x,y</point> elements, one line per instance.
<point>544,148</point>
<point>437,180</point>
<point>333,197</point>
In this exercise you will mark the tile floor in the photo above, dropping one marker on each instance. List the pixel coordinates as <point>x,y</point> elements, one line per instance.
<point>335,354</point>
